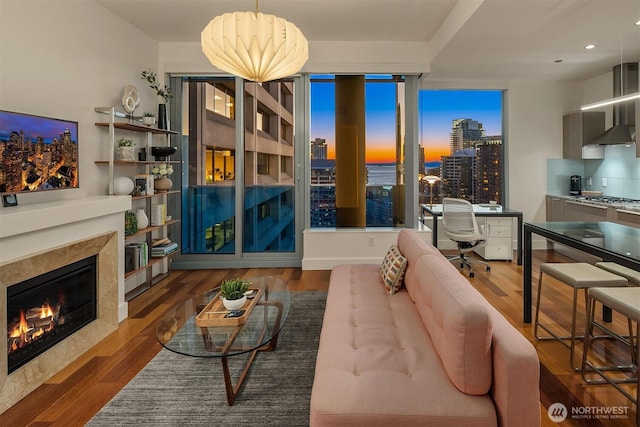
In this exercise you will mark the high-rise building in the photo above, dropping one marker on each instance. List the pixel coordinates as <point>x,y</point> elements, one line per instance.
<point>458,173</point>
<point>489,170</point>
<point>464,134</point>
<point>319,148</point>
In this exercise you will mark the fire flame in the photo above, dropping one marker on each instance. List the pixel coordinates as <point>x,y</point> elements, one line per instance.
<point>45,311</point>
<point>22,328</point>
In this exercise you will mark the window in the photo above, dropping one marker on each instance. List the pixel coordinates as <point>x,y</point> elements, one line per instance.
<point>372,190</point>
<point>220,99</point>
<point>462,143</point>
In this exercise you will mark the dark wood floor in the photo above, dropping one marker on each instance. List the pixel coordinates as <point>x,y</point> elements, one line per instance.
<point>75,394</point>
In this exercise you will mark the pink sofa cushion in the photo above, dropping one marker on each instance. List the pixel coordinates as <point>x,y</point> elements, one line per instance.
<point>376,364</point>
<point>458,321</point>
<point>392,270</point>
<point>412,247</point>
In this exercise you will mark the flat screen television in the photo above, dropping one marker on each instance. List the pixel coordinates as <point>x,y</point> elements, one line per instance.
<point>37,153</point>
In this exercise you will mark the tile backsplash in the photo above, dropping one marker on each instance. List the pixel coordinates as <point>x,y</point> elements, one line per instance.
<point>620,167</point>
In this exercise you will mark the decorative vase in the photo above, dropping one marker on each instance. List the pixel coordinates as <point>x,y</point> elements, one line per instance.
<point>162,184</point>
<point>126,153</point>
<point>123,185</point>
<point>143,219</point>
<point>149,121</point>
<point>234,304</point>
<point>162,117</point>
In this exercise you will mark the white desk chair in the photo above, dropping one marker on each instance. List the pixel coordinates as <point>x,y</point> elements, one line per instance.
<point>460,225</point>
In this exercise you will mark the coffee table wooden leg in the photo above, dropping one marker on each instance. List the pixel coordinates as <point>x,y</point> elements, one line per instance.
<point>232,391</point>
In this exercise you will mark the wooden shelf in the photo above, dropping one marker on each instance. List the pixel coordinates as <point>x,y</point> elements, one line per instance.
<point>151,228</point>
<point>138,128</point>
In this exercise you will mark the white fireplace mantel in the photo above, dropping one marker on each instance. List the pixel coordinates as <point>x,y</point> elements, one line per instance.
<point>23,219</point>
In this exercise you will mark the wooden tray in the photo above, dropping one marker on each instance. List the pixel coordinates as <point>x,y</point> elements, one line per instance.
<point>214,312</point>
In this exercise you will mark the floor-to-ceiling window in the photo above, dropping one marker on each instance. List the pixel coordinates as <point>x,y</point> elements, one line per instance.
<point>461,143</point>
<point>239,167</point>
<point>357,151</point>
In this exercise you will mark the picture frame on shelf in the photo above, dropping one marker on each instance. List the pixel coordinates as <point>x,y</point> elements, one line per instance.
<point>9,200</point>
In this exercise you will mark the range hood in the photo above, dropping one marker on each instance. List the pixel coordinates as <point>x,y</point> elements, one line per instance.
<point>625,81</point>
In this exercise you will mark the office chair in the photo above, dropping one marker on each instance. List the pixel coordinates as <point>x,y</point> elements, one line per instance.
<point>460,225</point>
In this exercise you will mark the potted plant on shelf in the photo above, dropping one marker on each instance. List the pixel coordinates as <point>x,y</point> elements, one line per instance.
<point>148,118</point>
<point>232,293</point>
<point>126,149</point>
<point>161,173</point>
<point>163,92</point>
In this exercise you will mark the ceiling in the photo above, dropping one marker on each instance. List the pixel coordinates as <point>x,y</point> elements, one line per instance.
<point>468,39</point>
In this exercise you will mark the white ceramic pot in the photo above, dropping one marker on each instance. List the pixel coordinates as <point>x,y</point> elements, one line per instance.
<point>143,219</point>
<point>123,185</point>
<point>148,120</point>
<point>126,153</point>
<point>234,304</point>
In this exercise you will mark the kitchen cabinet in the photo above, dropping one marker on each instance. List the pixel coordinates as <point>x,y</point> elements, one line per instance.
<point>499,245</point>
<point>584,212</point>
<point>153,268</point>
<point>579,129</point>
<point>627,217</point>
<point>555,208</point>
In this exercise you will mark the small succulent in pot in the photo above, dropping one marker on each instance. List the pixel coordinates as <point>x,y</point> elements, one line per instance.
<point>233,289</point>
<point>148,114</point>
<point>124,142</point>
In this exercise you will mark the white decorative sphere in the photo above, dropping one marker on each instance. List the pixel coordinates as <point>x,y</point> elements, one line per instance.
<point>123,185</point>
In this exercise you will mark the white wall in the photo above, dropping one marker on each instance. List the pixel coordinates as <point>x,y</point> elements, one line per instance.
<point>63,58</point>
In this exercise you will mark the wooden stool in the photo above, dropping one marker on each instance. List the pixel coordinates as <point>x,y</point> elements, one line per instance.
<point>631,275</point>
<point>578,275</point>
<point>625,301</point>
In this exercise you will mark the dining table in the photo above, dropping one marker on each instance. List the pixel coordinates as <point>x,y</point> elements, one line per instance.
<point>605,240</point>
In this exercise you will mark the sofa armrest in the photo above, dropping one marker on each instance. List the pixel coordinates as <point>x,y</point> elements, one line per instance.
<point>516,376</point>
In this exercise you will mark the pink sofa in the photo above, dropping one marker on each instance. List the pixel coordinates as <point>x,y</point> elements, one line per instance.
<point>436,353</point>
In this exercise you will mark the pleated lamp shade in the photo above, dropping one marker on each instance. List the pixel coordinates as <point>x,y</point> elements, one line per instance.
<point>255,46</point>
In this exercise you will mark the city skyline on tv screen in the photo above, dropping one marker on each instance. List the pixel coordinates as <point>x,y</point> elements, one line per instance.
<point>37,153</point>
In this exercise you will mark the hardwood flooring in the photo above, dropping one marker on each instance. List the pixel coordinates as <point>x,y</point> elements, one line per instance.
<point>74,395</point>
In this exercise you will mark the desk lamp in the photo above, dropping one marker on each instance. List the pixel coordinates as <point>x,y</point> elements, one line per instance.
<point>431,179</point>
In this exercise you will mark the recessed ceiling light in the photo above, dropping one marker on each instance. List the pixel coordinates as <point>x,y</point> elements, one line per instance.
<point>590,46</point>
<point>558,61</point>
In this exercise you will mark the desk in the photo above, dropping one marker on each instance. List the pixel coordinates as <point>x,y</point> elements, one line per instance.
<point>607,240</point>
<point>485,210</point>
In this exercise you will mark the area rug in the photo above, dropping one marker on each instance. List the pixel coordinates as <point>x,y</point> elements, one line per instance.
<point>177,390</point>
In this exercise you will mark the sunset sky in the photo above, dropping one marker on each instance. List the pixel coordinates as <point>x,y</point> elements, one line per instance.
<point>437,109</point>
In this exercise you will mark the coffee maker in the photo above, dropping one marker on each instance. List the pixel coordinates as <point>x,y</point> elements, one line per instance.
<point>575,188</point>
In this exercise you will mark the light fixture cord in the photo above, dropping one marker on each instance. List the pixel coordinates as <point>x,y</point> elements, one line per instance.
<point>256,7</point>
<point>620,37</point>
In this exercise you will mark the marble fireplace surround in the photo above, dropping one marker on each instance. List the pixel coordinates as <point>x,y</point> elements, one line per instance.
<point>38,237</point>
<point>26,378</point>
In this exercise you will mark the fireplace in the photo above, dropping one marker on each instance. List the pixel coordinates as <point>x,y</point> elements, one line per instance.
<point>44,310</point>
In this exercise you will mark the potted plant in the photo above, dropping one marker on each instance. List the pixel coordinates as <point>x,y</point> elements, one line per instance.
<point>232,293</point>
<point>126,149</point>
<point>163,92</point>
<point>148,118</point>
<point>161,173</point>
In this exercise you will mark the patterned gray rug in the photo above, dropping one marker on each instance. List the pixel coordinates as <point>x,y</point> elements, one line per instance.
<point>177,390</point>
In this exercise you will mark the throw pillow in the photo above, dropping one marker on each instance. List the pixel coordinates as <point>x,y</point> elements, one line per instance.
<point>392,270</point>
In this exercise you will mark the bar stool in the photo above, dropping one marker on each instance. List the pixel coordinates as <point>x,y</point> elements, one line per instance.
<point>625,301</point>
<point>578,275</point>
<point>631,275</point>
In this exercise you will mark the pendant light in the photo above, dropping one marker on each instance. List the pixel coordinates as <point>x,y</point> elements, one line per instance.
<point>255,46</point>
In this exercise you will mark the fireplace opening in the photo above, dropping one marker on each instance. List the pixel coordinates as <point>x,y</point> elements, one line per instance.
<point>46,309</point>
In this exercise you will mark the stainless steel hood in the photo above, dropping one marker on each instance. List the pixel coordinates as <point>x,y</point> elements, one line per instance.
<point>625,81</point>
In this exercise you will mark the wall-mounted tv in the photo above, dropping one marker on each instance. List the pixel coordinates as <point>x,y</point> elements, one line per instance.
<point>37,153</point>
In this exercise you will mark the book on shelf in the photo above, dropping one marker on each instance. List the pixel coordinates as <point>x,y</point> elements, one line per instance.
<point>163,249</point>
<point>160,241</point>
<point>158,214</point>
<point>136,256</point>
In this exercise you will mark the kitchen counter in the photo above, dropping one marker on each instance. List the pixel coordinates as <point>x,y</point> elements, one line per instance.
<point>605,201</point>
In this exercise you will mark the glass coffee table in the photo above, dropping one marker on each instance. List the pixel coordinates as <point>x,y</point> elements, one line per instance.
<point>198,327</point>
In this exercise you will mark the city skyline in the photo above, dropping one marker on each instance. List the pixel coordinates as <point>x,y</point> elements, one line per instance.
<point>437,110</point>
